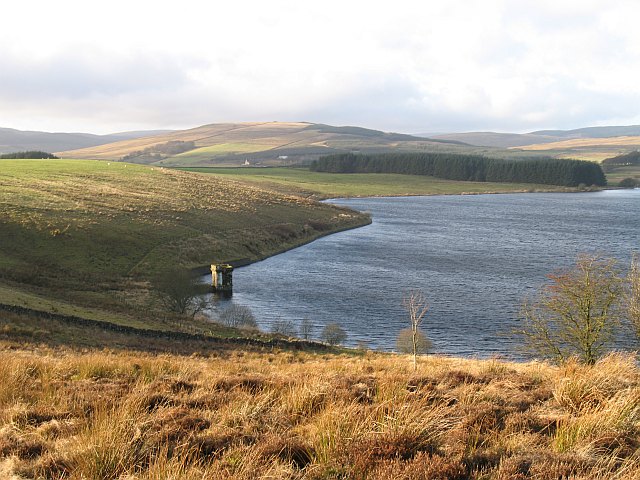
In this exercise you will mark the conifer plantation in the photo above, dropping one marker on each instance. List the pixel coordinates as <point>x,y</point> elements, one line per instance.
<point>472,168</point>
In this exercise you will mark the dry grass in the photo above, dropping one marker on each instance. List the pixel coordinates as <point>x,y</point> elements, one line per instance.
<point>283,415</point>
<point>584,142</point>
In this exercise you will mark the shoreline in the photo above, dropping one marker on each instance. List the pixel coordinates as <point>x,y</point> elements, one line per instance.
<point>498,192</point>
<point>244,262</point>
<point>239,263</point>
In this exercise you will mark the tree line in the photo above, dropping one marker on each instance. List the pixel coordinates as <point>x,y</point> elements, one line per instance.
<point>31,154</point>
<point>631,158</point>
<point>473,168</point>
<point>162,150</point>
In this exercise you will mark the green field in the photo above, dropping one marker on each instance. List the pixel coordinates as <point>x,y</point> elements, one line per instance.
<point>91,234</point>
<point>616,174</point>
<point>205,154</point>
<point>331,185</point>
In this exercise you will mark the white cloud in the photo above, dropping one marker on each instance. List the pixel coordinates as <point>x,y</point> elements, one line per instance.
<point>404,66</point>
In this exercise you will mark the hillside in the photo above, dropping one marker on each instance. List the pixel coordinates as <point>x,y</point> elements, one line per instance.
<point>12,140</point>
<point>92,233</point>
<point>269,143</point>
<point>595,149</point>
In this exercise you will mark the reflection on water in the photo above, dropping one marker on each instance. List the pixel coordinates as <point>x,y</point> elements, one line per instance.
<point>476,257</point>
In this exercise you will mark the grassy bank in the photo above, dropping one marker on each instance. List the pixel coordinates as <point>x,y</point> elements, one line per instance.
<point>91,234</point>
<point>296,415</point>
<point>330,185</point>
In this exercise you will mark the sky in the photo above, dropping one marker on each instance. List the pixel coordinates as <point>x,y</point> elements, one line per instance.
<point>404,66</point>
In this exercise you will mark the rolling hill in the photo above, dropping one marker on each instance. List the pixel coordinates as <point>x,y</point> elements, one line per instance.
<point>267,143</point>
<point>497,140</point>
<point>539,137</point>
<point>589,143</point>
<point>595,149</point>
<point>12,140</point>
<point>594,132</point>
<point>291,143</point>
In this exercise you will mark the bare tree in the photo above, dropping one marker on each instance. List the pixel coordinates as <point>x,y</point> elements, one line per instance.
<point>416,305</point>
<point>333,334</point>
<point>306,329</point>
<point>179,293</point>
<point>633,294</point>
<point>238,316</point>
<point>576,314</point>
<point>283,327</point>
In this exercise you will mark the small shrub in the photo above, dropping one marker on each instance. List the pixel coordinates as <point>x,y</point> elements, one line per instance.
<point>238,316</point>
<point>404,342</point>
<point>333,334</point>
<point>628,183</point>
<point>283,327</point>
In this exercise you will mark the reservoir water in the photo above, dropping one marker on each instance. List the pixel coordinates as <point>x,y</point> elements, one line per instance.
<point>476,257</point>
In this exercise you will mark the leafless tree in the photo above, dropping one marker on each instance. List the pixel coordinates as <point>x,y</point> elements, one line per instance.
<point>633,294</point>
<point>306,329</point>
<point>333,334</point>
<point>283,327</point>
<point>179,292</point>
<point>238,316</point>
<point>416,305</point>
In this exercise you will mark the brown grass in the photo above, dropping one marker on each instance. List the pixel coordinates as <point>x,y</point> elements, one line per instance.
<point>583,142</point>
<point>282,415</point>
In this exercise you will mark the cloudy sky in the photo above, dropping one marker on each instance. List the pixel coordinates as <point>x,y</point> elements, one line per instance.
<point>409,66</point>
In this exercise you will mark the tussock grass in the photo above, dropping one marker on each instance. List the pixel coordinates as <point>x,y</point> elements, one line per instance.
<point>283,415</point>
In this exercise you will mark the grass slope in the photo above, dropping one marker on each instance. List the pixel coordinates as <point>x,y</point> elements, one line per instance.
<point>91,233</point>
<point>331,185</point>
<point>246,415</point>
<point>618,173</point>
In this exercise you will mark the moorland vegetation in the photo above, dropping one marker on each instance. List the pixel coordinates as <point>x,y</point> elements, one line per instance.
<point>244,415</point>
<point>124,390</point>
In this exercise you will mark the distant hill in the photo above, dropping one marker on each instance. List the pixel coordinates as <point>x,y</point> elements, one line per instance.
<point>495,139</point>
<point>258,143</point>
<point>589,143</point>
<point>593,132</point>
<point>595,149</point>
<point>12,140</point>
<point>540,137</point>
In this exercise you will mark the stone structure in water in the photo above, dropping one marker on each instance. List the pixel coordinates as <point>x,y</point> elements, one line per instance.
<point>221,277</point>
